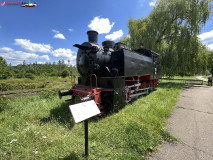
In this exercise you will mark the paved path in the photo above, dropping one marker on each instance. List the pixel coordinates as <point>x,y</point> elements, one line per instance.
<point>192,123</point>
<point>201,78</point>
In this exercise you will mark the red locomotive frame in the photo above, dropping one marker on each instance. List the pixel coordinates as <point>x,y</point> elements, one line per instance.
<point>134,86</point>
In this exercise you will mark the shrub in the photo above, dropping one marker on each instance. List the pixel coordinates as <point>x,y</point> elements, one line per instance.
<point>43,85</point>
<point>5,87</point>
<point>64,74</point>
<point>53,74</point>
<point>30,76</point>
<point>47,95</point>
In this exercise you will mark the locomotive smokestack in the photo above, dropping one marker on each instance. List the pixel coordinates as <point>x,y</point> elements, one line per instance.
<point>109,44</point>
<point>92,36</point>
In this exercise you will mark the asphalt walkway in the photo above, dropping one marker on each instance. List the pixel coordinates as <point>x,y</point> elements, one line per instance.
<point>192,123</point>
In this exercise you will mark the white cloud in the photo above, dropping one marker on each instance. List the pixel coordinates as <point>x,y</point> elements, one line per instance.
<point>206,37</point>
<point>71,61</point>
<point>41,62</point>
<point>55,31</point>
<point>17,56</point>
<point>210,46</point>
<point>58,34</point>
<point>152,4</point>
<point>70,29</point>
<point>33,47</point>
<point>63,53</point>
<point>115,35</point>
<point>6,49</point>
<point>101,25</point>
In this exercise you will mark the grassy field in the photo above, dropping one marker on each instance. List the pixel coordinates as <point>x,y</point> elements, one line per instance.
<point>184,80</point>
<point>41,127</point>
<point>24,84</point>
<point>180,77</point>
<point>206,77</point>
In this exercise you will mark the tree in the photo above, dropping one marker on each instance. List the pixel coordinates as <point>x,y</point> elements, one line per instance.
<point>210,61</point>
<point>3,67</point>
<point>24,63</point>
<point>126,40</point>
<point>35,69</point>
<point>171,29</point>
<point>202,60</point>
<point>64,73</point>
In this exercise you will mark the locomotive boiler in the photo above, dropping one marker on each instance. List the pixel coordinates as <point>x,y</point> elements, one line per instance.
<point>112,74</point>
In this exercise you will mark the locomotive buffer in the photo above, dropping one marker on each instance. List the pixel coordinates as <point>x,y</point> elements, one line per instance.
<point>82,112</point>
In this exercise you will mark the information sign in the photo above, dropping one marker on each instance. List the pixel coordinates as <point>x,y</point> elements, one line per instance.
<point>84,110</point>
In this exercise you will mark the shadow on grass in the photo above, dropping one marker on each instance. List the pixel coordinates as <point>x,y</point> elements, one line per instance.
<point>72,156</point>
<point>60,114</point>
<point>105,115</point>
<point>117,110</point>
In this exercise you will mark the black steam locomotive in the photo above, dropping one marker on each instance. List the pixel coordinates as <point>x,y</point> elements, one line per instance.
<point>111,74</point>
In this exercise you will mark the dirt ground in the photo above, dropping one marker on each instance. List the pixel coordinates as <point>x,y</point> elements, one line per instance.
<point>192,123</point>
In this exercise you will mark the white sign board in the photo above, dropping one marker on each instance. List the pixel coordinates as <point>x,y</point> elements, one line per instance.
<point>84,110</point>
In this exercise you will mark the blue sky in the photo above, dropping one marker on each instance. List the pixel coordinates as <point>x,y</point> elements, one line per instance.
<point>47,33</point>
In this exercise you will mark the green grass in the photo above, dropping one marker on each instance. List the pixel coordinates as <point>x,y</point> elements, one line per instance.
<point>206,77</point>
<point>180,77</point>
<point>41,127</point>
<point>184,80</point>
<point>16,85</point>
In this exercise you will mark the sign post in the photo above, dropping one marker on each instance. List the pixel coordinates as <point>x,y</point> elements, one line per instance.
<point>82,112</point>
<point>86,137</point>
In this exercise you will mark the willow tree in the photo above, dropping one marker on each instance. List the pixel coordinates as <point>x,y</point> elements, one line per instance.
<point>171,29</point>
<point>3,66</point>
<point>204,60</point>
